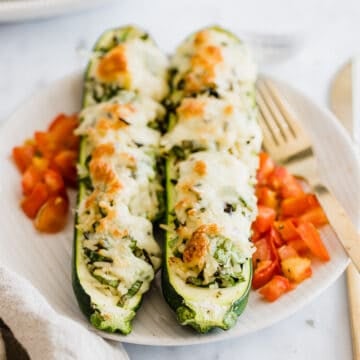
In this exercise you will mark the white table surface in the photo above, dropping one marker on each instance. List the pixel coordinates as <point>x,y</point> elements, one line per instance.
<point>33,54</point>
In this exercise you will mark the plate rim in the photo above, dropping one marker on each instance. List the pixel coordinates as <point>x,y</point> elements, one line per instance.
<point>24,10</point>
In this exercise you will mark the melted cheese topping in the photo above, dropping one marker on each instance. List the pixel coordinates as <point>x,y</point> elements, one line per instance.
<point>212,58</point>
<point>116,212</point>
<point>136,65</point>
<point>215,206</point>
<point>226,181</point>
<point>216,124</point>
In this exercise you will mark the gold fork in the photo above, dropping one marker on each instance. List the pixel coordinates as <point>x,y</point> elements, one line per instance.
<point>289,145</point>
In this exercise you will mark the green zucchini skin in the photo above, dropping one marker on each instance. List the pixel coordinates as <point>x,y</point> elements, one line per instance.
<point>178,304</point>
<point>87,305</point>
<point>175,298</point>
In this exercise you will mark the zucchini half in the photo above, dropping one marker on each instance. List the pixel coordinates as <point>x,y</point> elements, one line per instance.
<point>197,303</point>
<point>202,308</point>
<point>107,306</point>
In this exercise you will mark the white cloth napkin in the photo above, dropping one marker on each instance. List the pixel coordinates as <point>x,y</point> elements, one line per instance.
<point>44,333</point>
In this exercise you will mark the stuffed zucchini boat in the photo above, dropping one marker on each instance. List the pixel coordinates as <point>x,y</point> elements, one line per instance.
<point>211,147</point>
<point>115,254</point>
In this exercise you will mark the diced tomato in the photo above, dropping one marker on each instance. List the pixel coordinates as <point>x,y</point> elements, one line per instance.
<point>45,143</point>
<point>286,229</point>
<point>312,239</point>
<point>255,236</point>
<point>40,163</point>
<point>316,216</point>
<point>263,274</point>
<point>291,187</point>
<point>30,178</point>
<point>266,197</point>
<point>276,178</point>
<point>276,287</point>
<point>57,121</point>
<point>299,245</point>
<point>296,269</point>
<point>266,167</point>
<point>262,252</point>
<point>295,206</point>
<point>265,218</point>
<point>62,130</point>
<point>32,203</point>
<point>284,183</point>
<point>54,181</point>
<point>47,161</point>
<point>52,215</point>
<point>275,238</point>
<point>23,156</point>
<point>65,163</point>
<point>287,251</point>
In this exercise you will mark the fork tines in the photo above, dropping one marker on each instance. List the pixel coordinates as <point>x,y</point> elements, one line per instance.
<point>283,137</point>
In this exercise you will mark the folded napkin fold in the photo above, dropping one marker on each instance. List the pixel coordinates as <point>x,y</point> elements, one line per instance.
<point>43,332</point>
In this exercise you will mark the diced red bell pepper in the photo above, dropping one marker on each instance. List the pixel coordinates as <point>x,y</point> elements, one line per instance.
<point>286,229</point>
<point>32,203</point>
<point>263,251</point>
<point>296,269</point>
<point>275,237</point>
<point>23,156</point>
<point>310,235</point>
<point>266,167</point>
<point>287,251</point>
<point>30,178</point>
<point>263,273</point>
<point>276,287</point>
<point>62,130</point>
<point>265,218</point>
<point>266,197</point>
<point>45,143</point>
<point>316,216</point>
<point>54,181</point>
<point>299,245</point>
<point>65,163</point>
<point>295,206</point>
<point>276,178</point>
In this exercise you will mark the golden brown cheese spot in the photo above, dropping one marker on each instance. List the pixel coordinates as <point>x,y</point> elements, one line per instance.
<point>200,167</point>
<point>186,186</point>
<point>91,200</point>
<point>103,150</point>
<point>120,111</point>
<point>103,173</point>
<point>104,125</point>
<point>191,108</point>
<point>197,247</point>
<point>228,110</point>
<point>113,64</point>
<point>201,38</point>
<point>191,212</point>
<point>203,64</point>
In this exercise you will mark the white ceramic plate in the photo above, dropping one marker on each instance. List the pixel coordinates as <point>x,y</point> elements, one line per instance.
<point>45,260</point>
<point>19,10</point>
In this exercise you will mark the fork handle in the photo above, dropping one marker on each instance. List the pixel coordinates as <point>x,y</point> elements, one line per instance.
<point>353,282</point>
<point>341,223</point>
